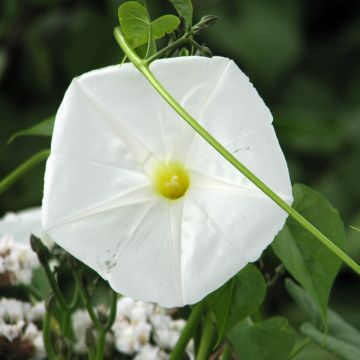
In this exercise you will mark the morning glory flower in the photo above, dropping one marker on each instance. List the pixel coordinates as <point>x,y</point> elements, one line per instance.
<point>133,192</point>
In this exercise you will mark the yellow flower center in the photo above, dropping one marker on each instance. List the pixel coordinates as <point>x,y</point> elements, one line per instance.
<point>171,180</point>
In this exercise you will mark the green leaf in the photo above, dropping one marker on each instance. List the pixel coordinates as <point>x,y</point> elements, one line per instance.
<point>308,260</point>
<point>40,283</point>
<point>237,299</point>
<point>341,339</point>
<point>355,228</point>
<point>163,25</point>
<point>44,128</point>
<point>185,10</point>
<point>135,24</point>
<point>266,340</point>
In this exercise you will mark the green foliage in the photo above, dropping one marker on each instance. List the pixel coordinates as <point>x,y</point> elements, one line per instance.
<point>339,337</point>
<point>135,24</point>
<point>305,302</point>
<point>39,283</point>
<point>237,299</point>
<point>185,10</point>
<point>163,25</point>
<point>266,340</point>
<point>44,128</point>
<point>309,261</point>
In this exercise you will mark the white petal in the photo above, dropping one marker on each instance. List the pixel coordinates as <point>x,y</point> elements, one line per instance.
<point>238,118</point>
<point>89,163</point>
<point>147,265</point>
<point>208,258</point>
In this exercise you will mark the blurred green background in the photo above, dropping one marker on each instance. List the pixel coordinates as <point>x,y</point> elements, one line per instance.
<point>303,56</point>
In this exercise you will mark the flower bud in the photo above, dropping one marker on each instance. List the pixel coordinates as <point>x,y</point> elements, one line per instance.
<point>208,20</point>
<point>40,249</point>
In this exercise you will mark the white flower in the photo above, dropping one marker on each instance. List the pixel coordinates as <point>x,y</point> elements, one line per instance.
<point>150,352</point>
<point>81,322</point>
<point>17,262</point>
<point>18,328</point>
<point>136,194</point>
<point>21,225</point>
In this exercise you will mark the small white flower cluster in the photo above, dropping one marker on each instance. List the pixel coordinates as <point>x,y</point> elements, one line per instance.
<point>142,330</point>
<point>17,262</point>
<point>145,330</point>
<point>19,331</point>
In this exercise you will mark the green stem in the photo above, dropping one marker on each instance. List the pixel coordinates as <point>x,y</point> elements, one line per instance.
<point>144,69</point>
<point>47,335</point>
<point>100,347</point>
<point>86,301</point>
<point>55,288</point>
<point>23,169</point>
<point>206,339</point>
<point>188,331</point>
<point>175,44</point>
<point>113,308</point>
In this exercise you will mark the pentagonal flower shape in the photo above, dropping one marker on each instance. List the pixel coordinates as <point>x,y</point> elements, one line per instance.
<point>136,194</point>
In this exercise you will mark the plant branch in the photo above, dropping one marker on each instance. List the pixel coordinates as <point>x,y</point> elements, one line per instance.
<point>23,169</point>
<point>144,69</point>
<point>188,331</point>
<point>206,339</point>
<point>85,299</point>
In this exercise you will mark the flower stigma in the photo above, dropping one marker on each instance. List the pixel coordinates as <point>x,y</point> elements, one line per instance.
<point>171,180</point>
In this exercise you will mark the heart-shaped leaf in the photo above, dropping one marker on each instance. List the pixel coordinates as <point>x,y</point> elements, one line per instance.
<point>308,260</point>
<point>135,24</point>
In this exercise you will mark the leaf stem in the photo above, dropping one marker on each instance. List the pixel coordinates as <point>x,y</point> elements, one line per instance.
<point>175,44</point>
<point>55,288</point>
<point>206,339</point>
<point>187,333</point>
<point>23,169</point>
<point>85,299</point>
<point>143,67</point>
<point>47,335</point>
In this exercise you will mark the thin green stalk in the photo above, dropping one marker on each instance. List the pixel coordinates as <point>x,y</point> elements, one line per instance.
<point>86,301</point>
<point>55,288</point>
<point>144,69</point>
<point>206,338</point>
<point>23,169</point>
<point>188,331</point>
<point>113,309</point>
<point>100,346</point>
<point>175,44</point>
<point>47,335</point>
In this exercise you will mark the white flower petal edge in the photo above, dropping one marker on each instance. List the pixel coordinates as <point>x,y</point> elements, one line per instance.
<point>100,202</point>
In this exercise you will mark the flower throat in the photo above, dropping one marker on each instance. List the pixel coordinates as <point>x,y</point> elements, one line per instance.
<point>171,180</point>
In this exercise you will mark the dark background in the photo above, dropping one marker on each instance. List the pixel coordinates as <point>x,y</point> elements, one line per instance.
<point>303,56</point>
